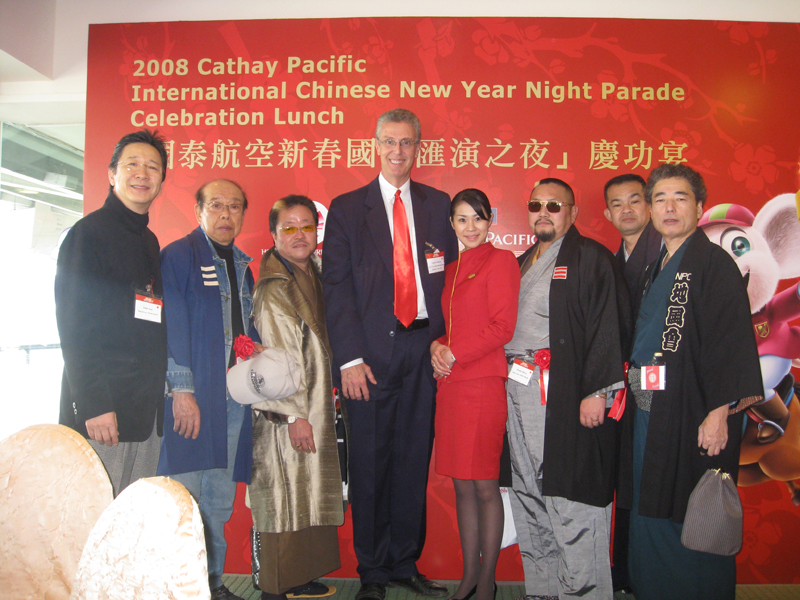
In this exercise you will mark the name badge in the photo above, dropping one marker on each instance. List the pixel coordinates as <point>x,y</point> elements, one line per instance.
<point>435,261</point>
<point>521,372</point>
<point>654,377</point>
<point>148,308</point>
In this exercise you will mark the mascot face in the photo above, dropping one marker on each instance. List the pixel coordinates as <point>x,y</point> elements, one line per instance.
<point>766,247</point>
<point>753,256</point>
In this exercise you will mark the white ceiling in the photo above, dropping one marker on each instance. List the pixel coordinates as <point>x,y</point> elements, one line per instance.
<point>43,42</point>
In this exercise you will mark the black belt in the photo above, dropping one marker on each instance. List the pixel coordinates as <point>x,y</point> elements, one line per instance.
<point>417,324</point>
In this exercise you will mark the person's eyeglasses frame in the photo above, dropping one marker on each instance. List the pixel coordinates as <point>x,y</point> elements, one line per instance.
<point>234,208</point>
<point>391,143</point>
<point>292,229</point>
<point>551,206</point>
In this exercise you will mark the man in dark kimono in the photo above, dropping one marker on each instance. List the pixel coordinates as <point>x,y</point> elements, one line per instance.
<point>628,211</point>
<point>695,313</point>
<point>566,361</point>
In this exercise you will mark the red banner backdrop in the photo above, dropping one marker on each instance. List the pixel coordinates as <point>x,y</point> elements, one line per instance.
<point>290,107</point>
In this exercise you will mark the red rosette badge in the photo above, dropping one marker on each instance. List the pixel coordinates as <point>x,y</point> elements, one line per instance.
<point>243,347</point>
<point>541,359</point>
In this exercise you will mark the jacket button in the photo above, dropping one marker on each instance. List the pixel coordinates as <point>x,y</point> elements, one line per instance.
<point>391,334</point>
<point>561,341</point>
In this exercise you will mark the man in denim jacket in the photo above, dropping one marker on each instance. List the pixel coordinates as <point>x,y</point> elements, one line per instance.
<point>207,443</point>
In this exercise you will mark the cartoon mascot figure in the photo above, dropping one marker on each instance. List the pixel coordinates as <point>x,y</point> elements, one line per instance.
<point>766,249</point>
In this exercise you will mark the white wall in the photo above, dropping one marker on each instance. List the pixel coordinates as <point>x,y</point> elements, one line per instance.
<point>58,105</point>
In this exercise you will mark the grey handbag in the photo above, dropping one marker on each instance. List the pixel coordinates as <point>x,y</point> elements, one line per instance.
<point>713,520</point>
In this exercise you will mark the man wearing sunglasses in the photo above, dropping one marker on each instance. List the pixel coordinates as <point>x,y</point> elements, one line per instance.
<point>296,488</point>
<point>386,246</point>
<point>207,443</point>
<point>566,362</point>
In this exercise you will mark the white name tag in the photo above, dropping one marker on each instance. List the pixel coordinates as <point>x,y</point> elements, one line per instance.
<point>148,308</point>
<point>521,371</point>
<point>435,261</point>
<point>654,377</point>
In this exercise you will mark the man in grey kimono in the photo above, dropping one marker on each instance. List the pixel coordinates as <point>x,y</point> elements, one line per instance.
<point>566,361</point>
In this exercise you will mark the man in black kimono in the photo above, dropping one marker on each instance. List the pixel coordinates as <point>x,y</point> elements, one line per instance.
<point>696,314</point>
<point>628,211</point>
<point>574,323</point>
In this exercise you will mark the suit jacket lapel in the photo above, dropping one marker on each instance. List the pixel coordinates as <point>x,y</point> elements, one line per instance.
<point>421,221</point>
<point>378,224</point>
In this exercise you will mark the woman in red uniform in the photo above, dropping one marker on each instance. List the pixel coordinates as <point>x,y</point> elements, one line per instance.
<point>480,310</point>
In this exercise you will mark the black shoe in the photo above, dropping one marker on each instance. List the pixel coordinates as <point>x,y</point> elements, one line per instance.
<point>223,593</point>
<point>371,591</point>
<point>469,595</point>
<point>421,586</point>
<point>312,589</point>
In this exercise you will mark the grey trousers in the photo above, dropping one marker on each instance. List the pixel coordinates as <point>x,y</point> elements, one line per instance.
<point>564,544</point>
<point>129,461</point>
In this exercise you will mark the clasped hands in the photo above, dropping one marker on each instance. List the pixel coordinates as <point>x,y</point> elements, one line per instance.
<point>442,359</point>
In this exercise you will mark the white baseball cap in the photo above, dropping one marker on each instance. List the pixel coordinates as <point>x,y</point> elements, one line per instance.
<point>271,375</point>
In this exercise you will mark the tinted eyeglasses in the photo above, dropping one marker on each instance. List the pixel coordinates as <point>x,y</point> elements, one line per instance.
<point>292,230</point>
<point>535,206</point>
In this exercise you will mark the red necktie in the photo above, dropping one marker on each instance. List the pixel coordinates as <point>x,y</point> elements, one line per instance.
<point>405,284</point>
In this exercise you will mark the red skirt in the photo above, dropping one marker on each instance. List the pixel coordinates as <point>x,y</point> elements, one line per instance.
<point>470,423</point>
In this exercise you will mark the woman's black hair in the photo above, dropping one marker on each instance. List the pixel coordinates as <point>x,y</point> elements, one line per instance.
<point>476,199</point>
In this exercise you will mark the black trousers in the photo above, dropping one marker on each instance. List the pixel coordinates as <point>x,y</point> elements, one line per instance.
<point>391,437</point>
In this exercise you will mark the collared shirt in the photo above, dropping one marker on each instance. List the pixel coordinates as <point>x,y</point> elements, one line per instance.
<point>388,192</point>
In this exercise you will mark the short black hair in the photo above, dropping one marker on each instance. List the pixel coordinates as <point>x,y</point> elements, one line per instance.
<point>475,199</point>
<point>200,196</point>
<point>624,178</point>
<point>679,171</point>
<point>290,201</point>
<point>560,183</point>
<point>145,136</point>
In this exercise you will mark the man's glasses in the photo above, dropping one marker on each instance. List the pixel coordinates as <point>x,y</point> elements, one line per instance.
<point>291,230</point>
<point>535,206</point>
<point>235,208</point>
<point>405,143</point>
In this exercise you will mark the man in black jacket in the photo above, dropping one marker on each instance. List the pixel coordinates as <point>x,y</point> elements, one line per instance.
<point>109,311</point>
<point>629,212</point>
<point>567,355</point>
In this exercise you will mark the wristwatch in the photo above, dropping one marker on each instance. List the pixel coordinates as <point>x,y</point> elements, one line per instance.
<point>291,420</point>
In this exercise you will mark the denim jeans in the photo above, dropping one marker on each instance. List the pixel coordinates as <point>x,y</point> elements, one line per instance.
<point>214,490</point>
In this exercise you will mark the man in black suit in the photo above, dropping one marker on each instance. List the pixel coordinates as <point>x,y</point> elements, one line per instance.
<point>386,245</point>
<point>627,209</point>
<point>641,243</point>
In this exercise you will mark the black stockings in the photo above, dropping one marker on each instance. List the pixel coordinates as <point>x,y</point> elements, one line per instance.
<point>480,526</point>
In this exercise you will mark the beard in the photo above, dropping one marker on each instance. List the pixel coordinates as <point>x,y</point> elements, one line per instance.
<point>548,235</point>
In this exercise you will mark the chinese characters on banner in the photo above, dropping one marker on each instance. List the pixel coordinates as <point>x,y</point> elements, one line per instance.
<point>290,106</point>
